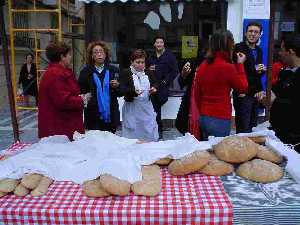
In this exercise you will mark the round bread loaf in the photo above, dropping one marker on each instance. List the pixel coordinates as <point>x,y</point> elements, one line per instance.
<point>189,163</point>
<point>259,170</point>
<point>235,149</point>
<point>216,167</point>
<point>268,154</point>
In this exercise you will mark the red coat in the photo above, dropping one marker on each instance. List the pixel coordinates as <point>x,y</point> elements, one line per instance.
<point>60,106</point>
<point>213,84</point>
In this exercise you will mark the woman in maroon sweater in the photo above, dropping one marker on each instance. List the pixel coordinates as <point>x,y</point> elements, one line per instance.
<point>60,103</point>
<point>214,80</point>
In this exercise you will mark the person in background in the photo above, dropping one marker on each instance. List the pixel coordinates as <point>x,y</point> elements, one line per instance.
<point>60,104</point>
<point>246,105</point>
<point>28,80</point>
<point>100,79</point>
<point>185,80</point>
<point>163,63</point>
<point>139,118</point>
<point>285,111</point>
<point>277,65</point>
<point>214,80</point>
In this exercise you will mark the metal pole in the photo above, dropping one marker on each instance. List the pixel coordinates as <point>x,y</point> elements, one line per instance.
<point>270,59</point>
<point>8,76</point>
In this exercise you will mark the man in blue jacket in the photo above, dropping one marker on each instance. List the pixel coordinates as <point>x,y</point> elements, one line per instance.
<point>246,105</point>
<point>165,67</point>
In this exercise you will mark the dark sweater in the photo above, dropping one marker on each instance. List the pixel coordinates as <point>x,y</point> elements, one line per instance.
<point>254,78</point>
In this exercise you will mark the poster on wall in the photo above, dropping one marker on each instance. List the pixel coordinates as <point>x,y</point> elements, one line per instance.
<point>256,9</point>
<point>189,47</point>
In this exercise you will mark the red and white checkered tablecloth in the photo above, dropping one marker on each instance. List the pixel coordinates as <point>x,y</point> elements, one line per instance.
<point>192,199</point>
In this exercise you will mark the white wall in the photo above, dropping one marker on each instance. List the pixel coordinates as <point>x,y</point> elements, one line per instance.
<point>235,19</point>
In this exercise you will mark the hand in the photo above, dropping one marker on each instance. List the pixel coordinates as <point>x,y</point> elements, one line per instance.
<point>260,96</point>
<point>260,68</point>
<point>186,70</point>
<point>114,83</point>
<point>152,67</point>
<point>86,98</point>
<point>139,92</point>
<point>152,90</point>
<point>241,57</point>
<point>264,99</point>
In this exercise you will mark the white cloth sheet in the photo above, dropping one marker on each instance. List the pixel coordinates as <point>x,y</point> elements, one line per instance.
<point>93,154</point>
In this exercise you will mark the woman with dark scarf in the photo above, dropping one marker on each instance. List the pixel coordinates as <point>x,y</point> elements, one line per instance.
<point>100,79</point>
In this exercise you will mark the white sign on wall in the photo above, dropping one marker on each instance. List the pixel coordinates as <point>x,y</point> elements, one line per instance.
<point>256,9</point>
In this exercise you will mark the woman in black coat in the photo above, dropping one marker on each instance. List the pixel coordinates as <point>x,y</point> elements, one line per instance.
<point>100,79</point>
<point>28,79</point>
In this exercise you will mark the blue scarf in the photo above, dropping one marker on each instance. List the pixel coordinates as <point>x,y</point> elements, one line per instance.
<point>103,97</point>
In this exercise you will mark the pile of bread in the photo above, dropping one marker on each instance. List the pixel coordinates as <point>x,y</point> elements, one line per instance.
<point>35,184</point>
<point>254,162</point>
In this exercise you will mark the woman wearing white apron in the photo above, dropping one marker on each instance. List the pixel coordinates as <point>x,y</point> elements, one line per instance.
<point>139,118</point>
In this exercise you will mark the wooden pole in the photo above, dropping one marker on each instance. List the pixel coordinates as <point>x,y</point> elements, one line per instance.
<point>270,58</point>
<point>8,75</point>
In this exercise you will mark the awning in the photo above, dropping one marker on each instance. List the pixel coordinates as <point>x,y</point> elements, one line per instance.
<point>112,1</point>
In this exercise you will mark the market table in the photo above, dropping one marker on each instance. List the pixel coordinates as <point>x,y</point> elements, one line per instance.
<point>192,199</point>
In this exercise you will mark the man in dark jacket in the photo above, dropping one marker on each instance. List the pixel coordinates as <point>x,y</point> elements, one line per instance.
<point>285,112</point>
<point>164,64</point>
<point>246,105</point>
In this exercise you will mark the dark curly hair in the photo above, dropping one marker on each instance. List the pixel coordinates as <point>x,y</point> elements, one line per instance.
<point>89,52</point>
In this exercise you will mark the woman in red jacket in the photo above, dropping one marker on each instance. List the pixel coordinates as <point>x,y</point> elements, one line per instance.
<point>214,80</point>
<point>60,103</point>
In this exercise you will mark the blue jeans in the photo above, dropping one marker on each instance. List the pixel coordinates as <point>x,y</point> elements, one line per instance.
<point>212,126</point>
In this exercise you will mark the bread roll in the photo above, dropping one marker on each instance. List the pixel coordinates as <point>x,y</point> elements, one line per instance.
<point>8,185</point>
<point>2,194</point>
<point>258,139</point>
<point>189,163</point>
<point>268,154</point>
<point>259,170</point>
<point>21,190</point>
<point>216,167</point>
<point>31,181</point>
<point>235,149</point>
<point>151,183</point>
<point>93,188</point>
<point>114,185</point>
<point>42,187</point>
<point>163,161</point>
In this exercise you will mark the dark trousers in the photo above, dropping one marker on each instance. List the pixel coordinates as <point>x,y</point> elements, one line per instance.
<point>245,113</point>
<point>157,108</point>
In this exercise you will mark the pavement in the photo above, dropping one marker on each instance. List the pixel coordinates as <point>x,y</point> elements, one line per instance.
<point>28,128</point>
